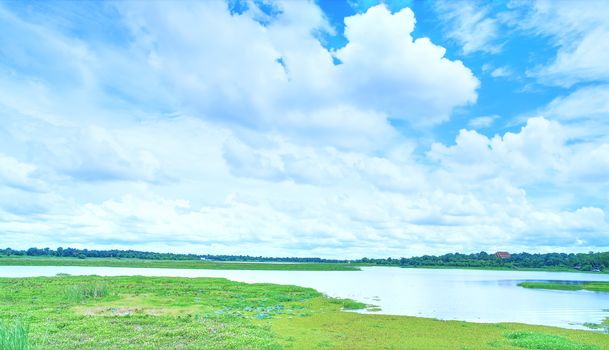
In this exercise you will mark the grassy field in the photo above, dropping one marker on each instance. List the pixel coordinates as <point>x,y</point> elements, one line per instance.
<point>174,264</point>
<point>90,312</point>
<point>593,286</point>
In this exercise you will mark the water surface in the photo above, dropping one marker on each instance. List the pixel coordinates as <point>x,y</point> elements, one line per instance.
<point>468,295</point>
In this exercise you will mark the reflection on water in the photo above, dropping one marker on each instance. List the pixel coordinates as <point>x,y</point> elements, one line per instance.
<point>468,295</point>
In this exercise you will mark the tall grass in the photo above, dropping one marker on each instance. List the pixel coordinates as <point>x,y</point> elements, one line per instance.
<point>14,336</point>
<point>83,292</point>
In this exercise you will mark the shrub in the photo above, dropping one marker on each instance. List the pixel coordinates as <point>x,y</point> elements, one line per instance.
<point>14,336</point>
<point>348,304</point>
<point>82,292</point>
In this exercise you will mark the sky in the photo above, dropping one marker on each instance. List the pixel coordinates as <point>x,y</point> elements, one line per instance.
<point>334,128</point>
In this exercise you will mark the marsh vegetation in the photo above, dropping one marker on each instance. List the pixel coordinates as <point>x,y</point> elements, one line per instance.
<point>90,312</point>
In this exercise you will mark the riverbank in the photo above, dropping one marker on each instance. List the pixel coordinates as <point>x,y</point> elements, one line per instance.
<point>90,312</point>
<point>173,264</point>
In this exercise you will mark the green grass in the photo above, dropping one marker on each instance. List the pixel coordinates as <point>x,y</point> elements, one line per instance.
<point>211,313</point>
<point>593,286</point>
<point>345,330</point>
<point>175,264</point>
<point>14,336</point>
<point>540,341</point>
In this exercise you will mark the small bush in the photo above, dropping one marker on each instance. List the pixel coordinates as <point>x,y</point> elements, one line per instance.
<point>540,341</point>
<point>14,336</point>
<point>348,304</point>
<point>83,292</point>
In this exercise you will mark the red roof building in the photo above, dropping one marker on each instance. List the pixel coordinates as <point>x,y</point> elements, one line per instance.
<point>503,255</point>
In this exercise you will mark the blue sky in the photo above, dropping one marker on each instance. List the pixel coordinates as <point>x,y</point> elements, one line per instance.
<point>329,128</point>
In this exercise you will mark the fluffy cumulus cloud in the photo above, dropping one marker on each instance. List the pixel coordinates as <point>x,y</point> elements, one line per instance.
<point>535,153</point>
<point>542,151</point>
<point>279,76</point>
<point>406,78</point>
<point>200,128</point>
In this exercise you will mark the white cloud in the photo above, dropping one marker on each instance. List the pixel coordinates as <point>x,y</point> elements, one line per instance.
<point>97,154</point>
<point>281,69</point>
<point>482,122</point>
<point>299,220</point>
<point>585,111</point>
<point>247,162</point>
<point>284,161</point>
<point>591,164</point>
<point>588,103</point>
<point>16,174</point>
<point>542,152</point>
<point>501,72</point>
<point>470,25</point>
<point>533,154</point>
<point>579,30</point>
<point>388,71</point>
<point>341,126</point>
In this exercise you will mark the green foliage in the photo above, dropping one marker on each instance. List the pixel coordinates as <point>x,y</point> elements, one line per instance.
<point>540,341</point>
<point>14,336</point>
<point>550,261</point>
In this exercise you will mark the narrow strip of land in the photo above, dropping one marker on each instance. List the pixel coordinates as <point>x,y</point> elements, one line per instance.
<point>173,264</point>
<point>593,286</point>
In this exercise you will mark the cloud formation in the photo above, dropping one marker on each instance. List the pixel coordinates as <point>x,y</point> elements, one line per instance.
<point>471,25</point>
<point>578,31</point>
<point>195,127</point>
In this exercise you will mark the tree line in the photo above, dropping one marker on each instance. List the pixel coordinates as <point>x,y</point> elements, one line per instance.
<point>135,254</point>
<point>92,253</point>
<point>581,261</point>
